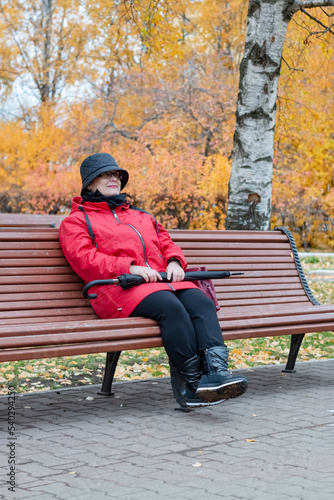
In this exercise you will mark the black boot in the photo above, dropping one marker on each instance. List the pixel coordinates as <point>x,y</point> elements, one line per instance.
<point>217,383</point>
<point>184,380</point>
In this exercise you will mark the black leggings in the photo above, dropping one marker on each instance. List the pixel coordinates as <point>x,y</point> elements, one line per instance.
<point>187,319</point>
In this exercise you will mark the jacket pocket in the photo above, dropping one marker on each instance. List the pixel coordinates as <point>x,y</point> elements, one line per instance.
<point>104,305</point>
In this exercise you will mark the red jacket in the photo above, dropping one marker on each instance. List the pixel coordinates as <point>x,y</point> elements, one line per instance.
<point>118,246</point>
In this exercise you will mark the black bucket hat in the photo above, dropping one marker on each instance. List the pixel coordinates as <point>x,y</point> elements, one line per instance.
<point>94,165</point>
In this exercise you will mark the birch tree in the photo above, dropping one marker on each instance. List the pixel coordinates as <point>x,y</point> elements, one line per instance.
<point>250,185</point>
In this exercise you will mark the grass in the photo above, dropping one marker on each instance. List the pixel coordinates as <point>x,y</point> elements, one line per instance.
<point>55,373</point>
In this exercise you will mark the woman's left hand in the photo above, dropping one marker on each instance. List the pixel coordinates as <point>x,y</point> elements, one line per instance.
<point>175,271</point>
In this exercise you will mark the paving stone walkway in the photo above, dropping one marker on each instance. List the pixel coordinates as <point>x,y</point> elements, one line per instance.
<point>276,442</point>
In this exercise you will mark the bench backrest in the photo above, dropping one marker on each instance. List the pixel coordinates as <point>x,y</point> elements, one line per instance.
<point>29,220</point>
<point>37,284</point>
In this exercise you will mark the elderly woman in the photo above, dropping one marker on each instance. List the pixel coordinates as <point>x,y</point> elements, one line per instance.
<point>104,237</point>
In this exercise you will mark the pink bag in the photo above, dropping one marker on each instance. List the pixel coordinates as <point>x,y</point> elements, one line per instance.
<point>206,286</point>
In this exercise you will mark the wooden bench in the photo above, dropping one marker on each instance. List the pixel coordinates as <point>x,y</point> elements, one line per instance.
<point>43,313</point>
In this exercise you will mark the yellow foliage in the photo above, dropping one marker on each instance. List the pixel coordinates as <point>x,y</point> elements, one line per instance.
<point>303,169</point>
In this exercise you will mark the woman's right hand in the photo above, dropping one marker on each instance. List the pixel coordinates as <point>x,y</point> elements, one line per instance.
<point>149,275</point>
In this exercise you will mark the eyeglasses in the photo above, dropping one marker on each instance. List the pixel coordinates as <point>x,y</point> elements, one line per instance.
<point>111,173</point>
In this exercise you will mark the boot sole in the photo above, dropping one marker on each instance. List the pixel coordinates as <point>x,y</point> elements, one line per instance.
<point>203,404</point>
<point>226,391</point>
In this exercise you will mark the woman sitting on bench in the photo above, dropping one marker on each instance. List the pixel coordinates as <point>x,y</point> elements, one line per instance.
<point>104,237</point>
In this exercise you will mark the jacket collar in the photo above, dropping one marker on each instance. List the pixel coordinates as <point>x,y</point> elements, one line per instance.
<point>93,207</point>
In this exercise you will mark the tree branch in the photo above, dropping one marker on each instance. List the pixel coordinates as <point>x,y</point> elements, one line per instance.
<point>327,28</point>
<point>311,4</point>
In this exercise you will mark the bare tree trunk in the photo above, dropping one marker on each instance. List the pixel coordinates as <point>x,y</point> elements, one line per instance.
<point>46,32</point>
<point>250,186</point>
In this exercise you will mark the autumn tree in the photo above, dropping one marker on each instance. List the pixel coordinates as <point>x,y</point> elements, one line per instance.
<point>46,44</point>
<point>250,187</point>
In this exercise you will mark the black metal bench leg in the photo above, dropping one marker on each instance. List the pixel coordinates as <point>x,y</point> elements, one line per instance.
<point>296,342</point>
<point>111,363</point>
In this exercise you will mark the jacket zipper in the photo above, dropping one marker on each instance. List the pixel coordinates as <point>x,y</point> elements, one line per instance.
<point>141,240</point>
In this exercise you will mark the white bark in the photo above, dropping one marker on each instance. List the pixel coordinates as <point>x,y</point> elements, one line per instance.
<point>250,186</point>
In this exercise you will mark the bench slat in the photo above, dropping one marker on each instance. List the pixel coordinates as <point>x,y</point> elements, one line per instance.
<point>8,274</point>
<point>241,266</point>
<point>295,285</point>
<point>54,295</point>
<point>90,315</point>
<point>27,229</point>
<point>78,337</point>
<point>226,245</point>
<point>273,331</point>
<point>254,272</point>
<point>221,252</point>
<point>230,236</point>
<point>269,300</point>
<point>264,294</point>
<point>31,288</point>
<point>35,220</point>
<point>30,245</point>
<point>43,312</point>
<point>73,278</point>
<point>252,263</point>
<point>33,235</point>
<point>76,326</point>
<point>58,295</point>
<point>51,261</point>
<point>10,267</point>
<point>77,349</point>
<point>44,304</point>
<point>26,275</point>
<point>254,279</point>
<point>272,310</point>
<point>278,309</point>
<point>26,271</point>
<point>276,321</point>
<point>240,259</point>
<point>54,250</point>
<point>31,254</point>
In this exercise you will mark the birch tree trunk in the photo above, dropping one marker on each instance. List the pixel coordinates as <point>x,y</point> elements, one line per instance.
<point>250,185</point>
